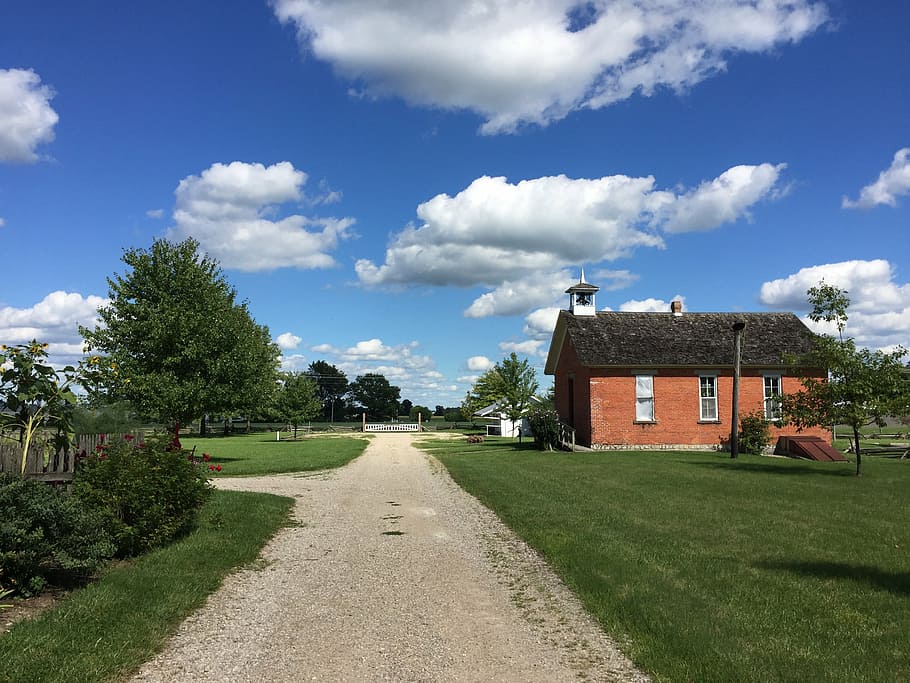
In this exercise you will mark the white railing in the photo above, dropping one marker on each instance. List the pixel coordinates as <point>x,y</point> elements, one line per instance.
<point>391,427</point>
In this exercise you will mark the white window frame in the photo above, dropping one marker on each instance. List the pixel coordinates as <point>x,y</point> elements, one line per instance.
<point>644,398</point>
<point>712,398</point>
<point>771,404</point>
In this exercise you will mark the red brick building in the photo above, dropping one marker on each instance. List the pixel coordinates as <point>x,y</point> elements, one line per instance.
<point>665,380</point>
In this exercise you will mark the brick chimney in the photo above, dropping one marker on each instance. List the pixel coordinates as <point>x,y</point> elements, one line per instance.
<point>676,307</point>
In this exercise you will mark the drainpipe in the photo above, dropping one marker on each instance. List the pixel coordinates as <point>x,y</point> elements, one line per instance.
<point>738,328</point>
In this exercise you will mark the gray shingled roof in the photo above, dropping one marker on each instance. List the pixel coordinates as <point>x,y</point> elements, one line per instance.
<point>699,339</point>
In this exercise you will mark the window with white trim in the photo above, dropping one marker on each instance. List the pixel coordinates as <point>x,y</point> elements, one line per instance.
<point>644,398</point>
<point>707,393</point>
<point>772,397</point>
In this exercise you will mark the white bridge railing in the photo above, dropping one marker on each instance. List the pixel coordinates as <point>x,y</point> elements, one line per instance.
<point>391,427</point>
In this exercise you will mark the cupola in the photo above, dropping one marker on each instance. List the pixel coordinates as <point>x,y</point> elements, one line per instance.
<point>581,297</point>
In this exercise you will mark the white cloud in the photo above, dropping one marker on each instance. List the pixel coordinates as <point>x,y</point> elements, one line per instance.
<point>230,209</point>
<point>155,213</point>
<point>892,182</point>
<point>478,364</point>
<point>528,347</point>
<point>539,324</point>
<point>514,297</point>
<point>518,62</point>
<point>294,362</point>
<point>879,313</point>
<point>53,320</point>
<point>495,233</point>
<point>287,341</point>
<point>650,305</point>
<point>722,200</point>
<point>26,117</point>
<point>2,222</point>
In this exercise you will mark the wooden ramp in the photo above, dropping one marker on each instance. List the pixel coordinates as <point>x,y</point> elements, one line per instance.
<point>808,448</point>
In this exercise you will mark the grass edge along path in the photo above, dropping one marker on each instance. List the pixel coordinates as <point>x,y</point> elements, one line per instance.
<point>260,454</point>
<point>107,630</point>
<point>710,569</point>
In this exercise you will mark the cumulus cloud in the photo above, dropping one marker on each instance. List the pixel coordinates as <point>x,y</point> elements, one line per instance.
<point>722,200</point>
<point>26,117</point>
<point>54,320</point>
<point>493,233</point>
<point>528,347</point>
<point>879,313</point>
<point>478,363</point>
<point>540,323</point>
<point>518,62</point>
<point>892,182</point>
<point>287,341</point>
<point>650,305</point>
<point>230,209</point>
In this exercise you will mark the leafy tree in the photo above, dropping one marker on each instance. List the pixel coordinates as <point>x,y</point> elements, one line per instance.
<point>862,386</point>
<point>373,395</point>
<point>32,396</point>
<point>297,399</point>
<point>454,415</point>
<point>511,382</point>
<point>424,413</point>
<point>176,342</point>
<point>405,407</point>
<point>440,411</point>
<point>331,387</point>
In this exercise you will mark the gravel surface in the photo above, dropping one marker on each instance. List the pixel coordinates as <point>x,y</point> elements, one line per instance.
<point>393,573</point>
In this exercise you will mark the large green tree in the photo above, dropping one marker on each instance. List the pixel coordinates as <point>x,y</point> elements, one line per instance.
<point>862,387</point>
<point>331,387</point>
<point>297,400</point>
<point>175,343</point>
<point>373,395</point>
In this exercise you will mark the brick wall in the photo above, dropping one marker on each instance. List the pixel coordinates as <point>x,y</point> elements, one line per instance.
<point>604,408</point>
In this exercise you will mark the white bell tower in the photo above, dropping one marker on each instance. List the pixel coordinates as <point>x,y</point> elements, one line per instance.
<point>581,297</point>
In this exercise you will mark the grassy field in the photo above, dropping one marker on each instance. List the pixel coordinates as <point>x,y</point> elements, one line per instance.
<point>260,453</point>
<point>105,631</point>
<point>759,569</point>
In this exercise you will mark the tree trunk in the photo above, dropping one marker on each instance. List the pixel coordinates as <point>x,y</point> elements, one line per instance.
<point>202,426</point>
<point>859,470</point>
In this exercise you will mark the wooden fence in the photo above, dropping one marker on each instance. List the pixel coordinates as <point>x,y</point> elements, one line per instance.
<point>46,464</point>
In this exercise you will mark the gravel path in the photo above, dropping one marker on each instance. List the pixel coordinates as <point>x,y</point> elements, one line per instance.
<point>393,574</point>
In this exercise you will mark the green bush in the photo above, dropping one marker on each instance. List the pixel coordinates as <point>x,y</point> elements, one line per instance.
<point>47,536</point>
<point>754,433</point>
<point>149,492</point>
<point>545,426</point>
<point>454,415</point>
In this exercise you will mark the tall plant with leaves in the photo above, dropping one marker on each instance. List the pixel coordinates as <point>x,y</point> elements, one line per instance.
<point>862,386</point>
<point>34,396</point>
<point>297,400</point>
<point>511,382</point>
<point>175,343</point>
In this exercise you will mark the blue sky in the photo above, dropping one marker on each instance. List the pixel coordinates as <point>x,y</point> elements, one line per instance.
<point>409,187</point>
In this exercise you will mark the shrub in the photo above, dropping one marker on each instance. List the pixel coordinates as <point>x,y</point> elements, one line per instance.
<point>754,433</point>
<point>475,439</point>
<point>454,415</point>
<point>149,492</point>
<point>545,426</point>
<point>47,536</point>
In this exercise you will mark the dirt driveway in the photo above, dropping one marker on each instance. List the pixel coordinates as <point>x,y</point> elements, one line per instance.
<point>393,574</point>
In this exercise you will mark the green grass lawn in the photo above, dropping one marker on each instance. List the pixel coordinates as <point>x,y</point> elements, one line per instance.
<point>758,569</point>
<point>250,454</point>
<point>106,630</point>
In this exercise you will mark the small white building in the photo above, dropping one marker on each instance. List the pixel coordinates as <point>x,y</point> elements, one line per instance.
<point>498,423</point>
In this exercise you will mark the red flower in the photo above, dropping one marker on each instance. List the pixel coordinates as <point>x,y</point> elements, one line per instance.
<point>217,468</point>
<point>212,468</point>
<point>103,456</point>
<point>128,437</point>
<point>99,447</point>
<point>206,457</point>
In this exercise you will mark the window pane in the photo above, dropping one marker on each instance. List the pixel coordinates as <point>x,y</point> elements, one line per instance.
<point>644,398</point>
<point>772,405</point>
<point>708,394</point>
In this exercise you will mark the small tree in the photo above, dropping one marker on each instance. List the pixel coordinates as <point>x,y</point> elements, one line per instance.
<point>511,382</point>
<point>33,397</point>
<point>862,386</point>
<point>423,412</point>
<point>297,400</point>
